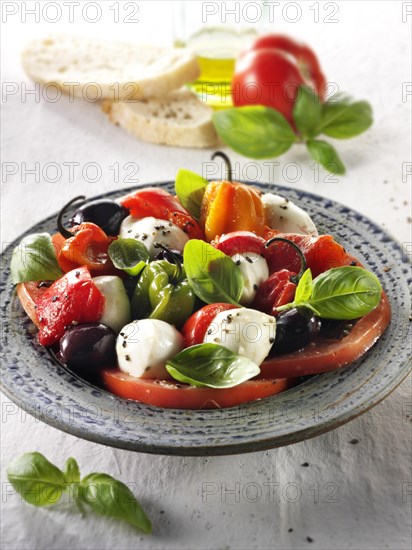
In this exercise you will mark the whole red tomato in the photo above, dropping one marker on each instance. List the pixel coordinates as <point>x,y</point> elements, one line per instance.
<point>271,72</point>
<point>266,77</point>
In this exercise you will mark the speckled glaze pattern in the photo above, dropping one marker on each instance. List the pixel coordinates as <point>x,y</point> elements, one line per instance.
<point>45,389</point>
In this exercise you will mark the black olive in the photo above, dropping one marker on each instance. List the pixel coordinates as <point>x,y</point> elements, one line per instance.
<point>105,213</point>
<point>336,330</point>
<point>85,348</point>
<point>295,329</point>
<point>169,256</point>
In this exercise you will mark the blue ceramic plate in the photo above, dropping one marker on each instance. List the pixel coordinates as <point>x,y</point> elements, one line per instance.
<point>33,380</point>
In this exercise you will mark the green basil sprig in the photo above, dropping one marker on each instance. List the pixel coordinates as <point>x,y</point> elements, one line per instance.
<point>254,131</point>
<point>211,366</point>
<point>190,188</point>
<point>129,254</point>
<point>213,276</point>
<point>34,259</point>
<point>261,132</point>
<point>341,293</point>
<point>41,483</point>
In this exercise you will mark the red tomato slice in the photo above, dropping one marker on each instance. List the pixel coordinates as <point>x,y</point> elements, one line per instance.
<point>171,395</point>
<point>328,355</point>
<point>160,204</point>
<point>195,328</point>
<point>72,299</point>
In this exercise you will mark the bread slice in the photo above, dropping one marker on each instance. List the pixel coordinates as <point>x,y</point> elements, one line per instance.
<point>179,119</point>
<point>91,68</point>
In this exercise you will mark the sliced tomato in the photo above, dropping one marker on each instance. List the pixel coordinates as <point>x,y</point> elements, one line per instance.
<point>328,355</point>
<point>171,395</point>
<point>321,253</point>
<point>160,204</point>
<point>72,299</point>
<point>195,328</point>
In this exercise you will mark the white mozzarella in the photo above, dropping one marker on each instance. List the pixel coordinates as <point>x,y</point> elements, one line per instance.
<point>244,331</point>
<point>116,312</point>
<point>151,231</point>
<point>255,270</point>
<point>144,346</point>
<point>285,216</point>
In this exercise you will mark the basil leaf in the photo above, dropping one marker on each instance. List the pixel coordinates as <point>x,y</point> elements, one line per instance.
<point>326,155</point>
<point>304,288</point>
<point>109,497</point>
<point>345,292</point>
<point>128,254</point>
<point>36,479</point>
<point>211,366</point>
<point>345,118</point>
<point>190,188</point>
<point>307,112</point>
<point>71,471</point>
<point>213,276</point>
<point>34,259</point>
<point>254,131</point>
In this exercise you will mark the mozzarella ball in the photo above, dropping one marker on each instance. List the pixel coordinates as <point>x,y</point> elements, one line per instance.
<point>255,270</point>
<point>144,346</point>
<point>283,215</point>
<point>244,331</point>
<point>151,231</point>
<point>116,311</point>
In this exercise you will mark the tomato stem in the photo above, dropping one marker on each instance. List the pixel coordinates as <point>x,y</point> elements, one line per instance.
<point>221,154</point>
<point>302,258</point>
<point>62,230</point>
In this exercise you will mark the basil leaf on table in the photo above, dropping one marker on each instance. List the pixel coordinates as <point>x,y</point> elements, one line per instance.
<point>129,255</point>
<point>36,479</point>
<point>71,471</point>
<point>41,483</point>
<point>109,497</point>
<point>324,153</point>
<point>34,259</point>
<point>345,118</point>
<point>345,293</point>
<point>190,188</point>
<point>211,366</point>
<point>254,131</point>
<point>307,111</point>
<point>213,276</point>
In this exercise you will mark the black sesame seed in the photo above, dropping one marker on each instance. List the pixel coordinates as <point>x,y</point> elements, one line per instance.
<point>127,357</point>
<point>305,464</point>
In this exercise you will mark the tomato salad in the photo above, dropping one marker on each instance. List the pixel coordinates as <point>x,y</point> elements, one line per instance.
<point>211,298</point>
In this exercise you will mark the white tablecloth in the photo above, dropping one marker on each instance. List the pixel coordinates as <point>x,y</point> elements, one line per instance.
<point>348,495</point>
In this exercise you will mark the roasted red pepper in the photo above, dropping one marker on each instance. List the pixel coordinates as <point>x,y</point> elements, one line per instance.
<point>160,204</point>
<point>87,247</point>
<point>73,299</point>
<point>278,290</point>
<point>321,253</point>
